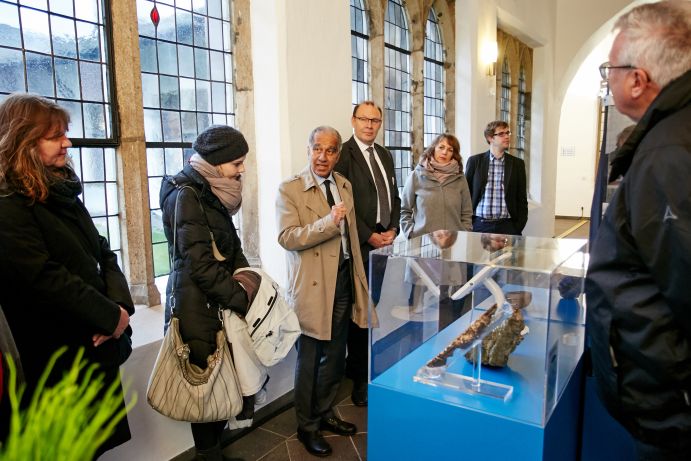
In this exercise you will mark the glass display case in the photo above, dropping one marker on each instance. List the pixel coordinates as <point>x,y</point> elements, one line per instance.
<point>484,323</point>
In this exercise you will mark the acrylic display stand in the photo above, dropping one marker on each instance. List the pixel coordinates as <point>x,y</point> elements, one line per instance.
<point>526,410</point>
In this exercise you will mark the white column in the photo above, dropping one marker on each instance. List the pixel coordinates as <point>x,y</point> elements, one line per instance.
<point>476,25</point>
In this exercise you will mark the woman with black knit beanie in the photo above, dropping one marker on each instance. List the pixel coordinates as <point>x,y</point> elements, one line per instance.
<point>207,252</point>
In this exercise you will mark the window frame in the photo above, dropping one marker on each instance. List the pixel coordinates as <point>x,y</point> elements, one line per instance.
<point>402,154</point>
<point>505,95</point>
<point>428,63</point>
<point>107,60</point>
<point>153,176</point>
<point>355,36</point>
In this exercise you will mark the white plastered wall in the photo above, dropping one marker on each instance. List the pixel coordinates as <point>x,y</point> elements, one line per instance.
<point>302,72</point>
<point>578,144</point>
<point>533,23</point>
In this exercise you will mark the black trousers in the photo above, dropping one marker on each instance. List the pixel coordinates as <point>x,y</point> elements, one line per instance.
<point>207,435</point>
<point>499,226</point>
<point>320,364</point>
<point>357,363</point>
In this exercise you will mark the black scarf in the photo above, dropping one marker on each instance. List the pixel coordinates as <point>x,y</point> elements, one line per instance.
<point>64,187</point>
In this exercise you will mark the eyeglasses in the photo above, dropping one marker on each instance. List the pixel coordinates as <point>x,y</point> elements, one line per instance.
<point>606,66</point>
<point>330,151</point>
<point>503,133</point>
<point>373,121</point>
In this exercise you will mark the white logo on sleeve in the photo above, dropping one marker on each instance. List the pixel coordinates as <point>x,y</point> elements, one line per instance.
<point>669,214</point>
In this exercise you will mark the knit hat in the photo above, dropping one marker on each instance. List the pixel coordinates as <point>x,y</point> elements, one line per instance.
<point>220,144</point>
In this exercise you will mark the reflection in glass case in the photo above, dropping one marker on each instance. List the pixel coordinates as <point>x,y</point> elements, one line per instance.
<point>484,322</point>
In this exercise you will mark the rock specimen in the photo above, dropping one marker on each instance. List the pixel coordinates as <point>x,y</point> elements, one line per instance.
<point>464,339</point>
<point>504,341</point>
<point>501,342</point>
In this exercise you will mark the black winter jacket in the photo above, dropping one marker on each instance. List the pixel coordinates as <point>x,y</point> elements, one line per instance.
<point>638,282</point>
<point>203,285</point>
<point>59,285</point>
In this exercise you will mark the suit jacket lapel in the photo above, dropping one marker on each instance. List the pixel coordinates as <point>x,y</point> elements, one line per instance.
<point>484,170</point>
<point>358,158</point>
<point>346,195</point>
<point>315,201</point>
<point>344,191</point>
<point>508,163</point>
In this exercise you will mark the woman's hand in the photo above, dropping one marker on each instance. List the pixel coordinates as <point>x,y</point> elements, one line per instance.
<point>99,339</point>
<point>123,322</point>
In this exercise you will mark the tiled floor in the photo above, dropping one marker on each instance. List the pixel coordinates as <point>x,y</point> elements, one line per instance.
<point>276,439</point>
<point>561,225</point>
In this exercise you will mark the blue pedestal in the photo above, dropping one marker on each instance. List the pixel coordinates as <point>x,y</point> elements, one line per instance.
<point>410,420</point>
<point>404,426</point>
<point>604,439</point>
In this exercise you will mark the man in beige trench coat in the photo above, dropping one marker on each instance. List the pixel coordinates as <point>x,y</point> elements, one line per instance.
<point>326,283</point>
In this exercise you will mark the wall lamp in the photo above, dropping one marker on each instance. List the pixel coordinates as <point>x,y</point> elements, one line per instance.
<point>489,57</point>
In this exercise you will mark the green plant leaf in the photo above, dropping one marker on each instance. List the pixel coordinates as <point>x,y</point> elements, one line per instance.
<point>67,420</point>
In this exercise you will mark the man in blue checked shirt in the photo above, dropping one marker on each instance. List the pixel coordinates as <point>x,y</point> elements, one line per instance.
<point>497,183</point>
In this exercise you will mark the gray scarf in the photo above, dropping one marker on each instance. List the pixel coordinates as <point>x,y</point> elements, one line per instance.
<point>441,172</point>
<point>227,190</point>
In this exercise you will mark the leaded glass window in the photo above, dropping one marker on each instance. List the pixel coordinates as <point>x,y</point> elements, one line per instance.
<point>359,42</point>
<point>434,80</point>
<point>397,98</point>
<point>505,98</point>
<point>187,85</point>
<point>61,50</point>
<point>521,117</point>
<point>97,168</point>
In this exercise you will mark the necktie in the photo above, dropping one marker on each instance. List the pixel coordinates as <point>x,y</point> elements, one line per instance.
<point>330,200</point>
<point>382,190</point>
<point>329,196</point>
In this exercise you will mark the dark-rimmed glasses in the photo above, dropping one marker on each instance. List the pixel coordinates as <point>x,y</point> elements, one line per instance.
<point>365,120</point>
<point>502,133</point>
<point>606,66</point>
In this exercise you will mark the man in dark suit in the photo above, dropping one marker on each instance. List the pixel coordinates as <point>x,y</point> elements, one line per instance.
<point>370,169</point>
<point>497,185</point>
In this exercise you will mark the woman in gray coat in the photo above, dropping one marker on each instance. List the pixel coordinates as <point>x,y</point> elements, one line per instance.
<point>436,194</point>
<point>436,198</point>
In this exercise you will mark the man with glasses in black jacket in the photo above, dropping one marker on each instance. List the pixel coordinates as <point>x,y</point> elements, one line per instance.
<point>497,183</point>
<point>639,308</point>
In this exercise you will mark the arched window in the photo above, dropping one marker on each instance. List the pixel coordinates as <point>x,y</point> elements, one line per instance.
<point>187,85</point>
<point>397,100</point>
<point>359,39</point>
<point>505,98</point>
<point>434,80</point>
<point>521,121</point>
<point>513,106</point>
<point>62,53</point>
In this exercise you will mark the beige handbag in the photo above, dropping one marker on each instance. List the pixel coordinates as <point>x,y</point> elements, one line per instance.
<point>182,391</point>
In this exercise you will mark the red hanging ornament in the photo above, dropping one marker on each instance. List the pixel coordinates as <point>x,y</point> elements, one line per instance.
<point>155,16</point>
